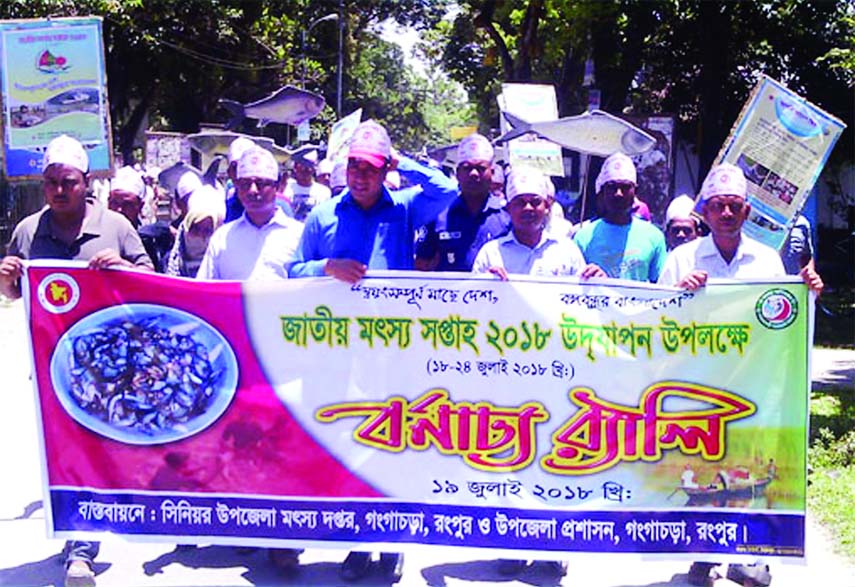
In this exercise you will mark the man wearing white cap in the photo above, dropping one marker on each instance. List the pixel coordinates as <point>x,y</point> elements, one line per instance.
<point>127,194</point>
<point>260,244</point>
<point>729,254</point>
<point>368,226</point>
<point>624,246</point>
<point>238,147</point>
<point>72,226</point>
<point>301,190</point>
<point>473,218</point>
<point>127,191</point>
<point>680,225</point>
<point>323,172</point>
<point>529,249</point>
<point>726,252</point>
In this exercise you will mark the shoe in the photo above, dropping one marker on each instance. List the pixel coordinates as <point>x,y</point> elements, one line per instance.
<point>699,574</point>
<point>511,567</point>
<point>392,566</point>
<point>79,574</point>
<point>355,566</point>
<point>558,568</point>
<point>286,560</point>
<point>755,575</point>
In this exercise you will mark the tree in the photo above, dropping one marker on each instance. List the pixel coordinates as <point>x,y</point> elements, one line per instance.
<point>694,58</point>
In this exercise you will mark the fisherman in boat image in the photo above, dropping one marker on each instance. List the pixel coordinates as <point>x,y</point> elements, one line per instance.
<point>734,483</point>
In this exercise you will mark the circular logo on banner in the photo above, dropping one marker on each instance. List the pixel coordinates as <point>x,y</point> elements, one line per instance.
<point>58,293</point>
<point>776,309</point>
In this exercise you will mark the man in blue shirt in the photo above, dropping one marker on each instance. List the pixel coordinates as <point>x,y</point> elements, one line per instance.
<point>475,217</point>
<point>625,247</point>
<point>367,226</point>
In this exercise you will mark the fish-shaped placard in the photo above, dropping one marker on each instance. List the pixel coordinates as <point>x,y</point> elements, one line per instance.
<point>595,133</point>
<point>288,105</point>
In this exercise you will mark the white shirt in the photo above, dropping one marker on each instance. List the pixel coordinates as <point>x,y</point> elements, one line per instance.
<point>311,195</point>
<point>752,260</point>
<point>242,251</point>
<point>555,255</point>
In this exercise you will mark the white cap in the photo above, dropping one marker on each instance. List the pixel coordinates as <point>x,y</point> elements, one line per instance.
<point>258,162</point>
<point>525,180</point>
<point>724,180</point>
<point>128,179</point>
<point>475,147</point>
<point>617,167</point>
<point>238,147</point>
<point>325,166</point>
<point>371,143</point>
<point>338,175</point>
<point>680,208</point>
<point>208,197</point>
<point>187,184</point>
<point>66,150</point>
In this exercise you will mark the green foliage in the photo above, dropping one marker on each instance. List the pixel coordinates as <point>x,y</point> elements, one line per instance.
<point>830,499</point>
<point>831,452</point>
<point>693,58</point>
<point>170,62</point>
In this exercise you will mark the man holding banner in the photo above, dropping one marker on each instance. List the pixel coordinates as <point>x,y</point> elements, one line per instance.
<point>726,253</point>
<point>72,227</point>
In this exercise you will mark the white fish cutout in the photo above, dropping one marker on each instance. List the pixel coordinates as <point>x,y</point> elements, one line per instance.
<point>595,133</point>
<point>288,105</point>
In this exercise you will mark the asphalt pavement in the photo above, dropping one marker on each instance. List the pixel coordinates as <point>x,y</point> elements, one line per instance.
<point>29,559</point>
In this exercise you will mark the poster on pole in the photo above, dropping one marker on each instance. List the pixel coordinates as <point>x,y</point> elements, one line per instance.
<point>532,103</point>
<point>781,142</point>
<point>656,167</point>
<point>165,149</point>
<point>53,83</point>
<point>537,415</point>
<point>340,135</point>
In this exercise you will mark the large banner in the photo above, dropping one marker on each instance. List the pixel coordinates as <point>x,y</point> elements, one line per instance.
<point>532,415</point>
<point>781,142</point>
<point>53,83</point>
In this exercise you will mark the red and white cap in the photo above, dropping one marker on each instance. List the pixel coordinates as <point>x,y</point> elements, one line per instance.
<point>724,180</point>
<point>66,150</point>
<point>618,167</point>
<point>475,147</point>
<point>127,179</point>
<point>525,180</point>
<point>371,143</point>
<point>259,163</point>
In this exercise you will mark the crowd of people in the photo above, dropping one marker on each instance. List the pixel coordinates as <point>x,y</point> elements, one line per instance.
<point>380,209</point>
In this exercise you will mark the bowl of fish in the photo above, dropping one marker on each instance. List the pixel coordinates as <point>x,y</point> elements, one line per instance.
<point>144,373</point>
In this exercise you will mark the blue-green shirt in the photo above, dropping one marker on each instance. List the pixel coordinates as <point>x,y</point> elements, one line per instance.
<point>633,251</point>
<point>381,237</point>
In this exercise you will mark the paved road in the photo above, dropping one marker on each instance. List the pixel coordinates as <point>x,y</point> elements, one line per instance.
<point>28,559</point>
